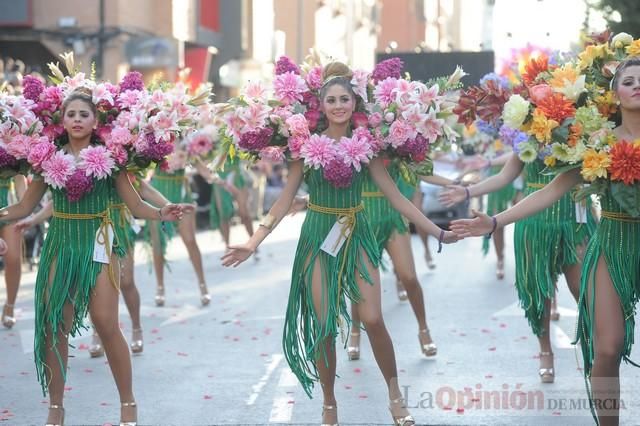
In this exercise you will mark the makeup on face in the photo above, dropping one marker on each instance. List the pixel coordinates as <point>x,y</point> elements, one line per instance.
<point>79,119</point>
<point>338,104</point>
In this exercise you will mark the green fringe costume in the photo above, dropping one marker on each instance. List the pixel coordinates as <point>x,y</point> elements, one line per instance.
<point>383,218</point>
<point>222,209</point>
<point>69,247</point>
<point>543,244</point>
<point>5,187</point>
<point>498,202</point>
<point>121,217</point>
<point>616,239</point>
<point>304,331</point>
<point>175,188</point>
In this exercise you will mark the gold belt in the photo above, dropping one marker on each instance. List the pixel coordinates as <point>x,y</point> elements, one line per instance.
<point>101,238</point>
<point>125,216</point>
<point>347,231</point>
<point>536,185</point>
<point>5,185</point>
<point>620,217</point>
<point>375,194</point>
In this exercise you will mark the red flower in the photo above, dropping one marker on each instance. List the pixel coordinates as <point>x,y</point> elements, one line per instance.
<point>556,107</point>
<point>625,162</point>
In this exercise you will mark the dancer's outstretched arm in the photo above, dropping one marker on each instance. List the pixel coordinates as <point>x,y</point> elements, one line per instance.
<point>142,209</point>
<point>403,205</point>
<point>239,253</point>
<point>25,206</point>
<point>453,195</point>
<point>36,219</point>
<point>532,204</point>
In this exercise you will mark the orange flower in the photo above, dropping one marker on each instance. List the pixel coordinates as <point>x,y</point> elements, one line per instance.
<point>625,162</point>
<point>557,107</point>
<point>575,131</point>
<point>541,126</point>
<point>534,67</point>
<point>606,104</point>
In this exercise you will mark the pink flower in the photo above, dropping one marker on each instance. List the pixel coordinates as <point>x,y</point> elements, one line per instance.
<point>298,125</point>
<point>39,152</point>
<point>391,67</point>
<point>338,173</point>
<point>130,99</point>
<point>313,118</point>
<point>359,119</point>
<point>273,153</point>
<point>389,117</point>
<point>77,185</point>
<point>295,145</point>
<point>53,131</point>
<point>314,78</point>
<point>375,119</point>
<point>414,114</point>
<point>57,169</point>
<point>254,116</point>
<point>289,87</point>
<point>104,92</point>
<point>284,64</point>
<point>120,136</point>
<point>423,95</point>
<point>199,144</point>
<point>318,151</point>
<point>400,131</point>
<point>431,127</point>
<point>359,82</point>
<point>354,151</point>
<point>96,161</point>
<point>119,154</point>
<point>103,132</point>
<point>384,92</point>
<point>539,92</point>
<point>255,90</point>
<point>19,146</point>
<point>310,100</point>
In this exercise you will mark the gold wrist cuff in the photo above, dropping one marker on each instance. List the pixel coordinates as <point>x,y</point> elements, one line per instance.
<point>268,221</point>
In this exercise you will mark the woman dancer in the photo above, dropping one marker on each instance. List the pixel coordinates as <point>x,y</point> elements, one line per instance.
<point>69,280</point>
<point>13,257</point>
<point>321,282</point>
<point>611,270</point>
<point>545,245</point>
<point>175,187</point>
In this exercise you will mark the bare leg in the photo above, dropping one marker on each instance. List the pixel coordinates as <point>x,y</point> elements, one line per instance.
<point>55,375</point>
<point>243,210</point>
<point>129,290</point>
<point>187,231</point>
<point>103,308</point>
<point>608,345</point>
<point>417,199</point>
<point>353,350</point>
<point>498,243</point>
<point>158,261</point>
<point>12,271</point>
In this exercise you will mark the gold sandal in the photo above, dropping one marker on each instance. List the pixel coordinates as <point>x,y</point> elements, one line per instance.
<point>205,298</point>
<point>326,408</point>
<point>353,350</point>
<point>129,404</point>
<point>159,296</point>
<point>407,420</point>
<point>428,349</point>
<point>137,345</point>
<point>96,350</point>
<point>547,375</point>
<point>8,320</point>
<point>57,407</point>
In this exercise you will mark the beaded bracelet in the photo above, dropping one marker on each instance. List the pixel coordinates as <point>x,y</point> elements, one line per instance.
<point>468,193</point>
<point>495,225</point>
<point>440,240</point>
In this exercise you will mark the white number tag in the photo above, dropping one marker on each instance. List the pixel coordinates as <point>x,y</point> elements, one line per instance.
<point>337,236</point>
<point>100,248</point>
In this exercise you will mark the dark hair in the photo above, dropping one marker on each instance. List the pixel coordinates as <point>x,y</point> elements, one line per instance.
<point>627,63</point>
<point>80,94</point>
<point>336,73</point>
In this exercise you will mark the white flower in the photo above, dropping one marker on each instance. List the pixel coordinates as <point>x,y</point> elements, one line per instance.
<point>515,111</point>
<point>621,40</point>
<point>456,76</point>
<point>572,91</point>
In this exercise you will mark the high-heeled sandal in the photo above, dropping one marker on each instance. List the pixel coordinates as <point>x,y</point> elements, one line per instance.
<point>427,346</point>
<point>547,374</point>
<point>96,350</point>
<point>430,263</point>
<point>326,408</point>
<point>205,298</point>
<point>402,292</point>
<point>353,350</point>
<point>129,423</point>
<point>8,321</point>
<point>57,407</point>
<point>137,344</point>
<point>407,420</point>
<point>500,269</point>
<point>159,296</point>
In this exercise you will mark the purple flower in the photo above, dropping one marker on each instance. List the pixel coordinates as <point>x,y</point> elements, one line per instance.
<point>32,87</point>
<point>416,148</point>
<point>156,150</point>
<point>487,127</point>
<point>6,159</point>
<point>501,80</point>
<point>285,64</point>
<point>387,68</point>
<point>132,81</point>
<point>338,173</point>
<point>256,140</point>
<point>78,184</point>
<point>512,137</point>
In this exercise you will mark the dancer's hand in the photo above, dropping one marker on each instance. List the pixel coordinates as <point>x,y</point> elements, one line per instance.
<point>3,247</point>
<point>187,208</point>
<point>24,224</point>
<point>171,212</point>
<point>237,254</point>
<point>452,195</point>
<point>481,224</point>
<point>451,237</point>
<point>299,204</point>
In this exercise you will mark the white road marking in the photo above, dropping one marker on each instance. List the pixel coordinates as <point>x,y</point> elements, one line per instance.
<point>257,388</point>
<point>282,408</point>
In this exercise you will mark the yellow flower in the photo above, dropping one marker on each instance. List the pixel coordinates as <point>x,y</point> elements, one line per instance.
<point>550,161</point>
<point>634,48</point>
<point>606,103</point>
<point>541,126</point>
<point>470,130</point>
<point>592,53</point>
<point>560,76</point>
<point>594,165</point>
<point>498,145</point>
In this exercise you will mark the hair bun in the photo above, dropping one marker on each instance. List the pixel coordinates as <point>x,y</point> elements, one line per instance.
<point>336,69</point>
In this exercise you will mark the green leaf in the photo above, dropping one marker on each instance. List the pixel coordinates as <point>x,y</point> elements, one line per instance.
<point>628,196</point>
<point>424,168</point>
<point>407,174</point>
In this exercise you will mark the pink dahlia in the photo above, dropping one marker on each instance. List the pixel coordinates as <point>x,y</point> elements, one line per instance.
<point>318,151</point>
<point>51,99</point>
<point>384,92</point>
<point>19,146</point>
<point>32,87</point>
<point>199,144</point>
<point>354,151</point>
<point>132,81</point>
<point>40,152</point>
<point>314,78</point>
<point>298,125</point>
<point>387,68</point>
<point>289,87</point>
<point>57,169</point>
<point>285,65</point>
<point>295,145</point>
<point>96,161</point>
<point>77,185</point>
<point>120,136</point>
<point>400,131</point>
<point>338,173</point>
<point>273,153</point>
